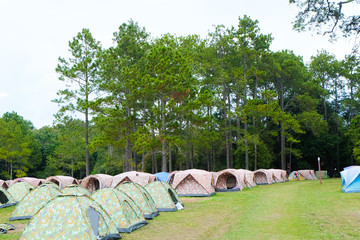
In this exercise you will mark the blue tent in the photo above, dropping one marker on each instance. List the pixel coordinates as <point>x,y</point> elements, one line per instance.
<point>163,176</point>
<point>350,179</point>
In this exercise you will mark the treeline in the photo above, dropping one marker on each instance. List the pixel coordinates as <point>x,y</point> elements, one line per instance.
<point>173,103</point>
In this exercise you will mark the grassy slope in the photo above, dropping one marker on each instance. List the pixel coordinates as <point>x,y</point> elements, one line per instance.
<point>292,210</point>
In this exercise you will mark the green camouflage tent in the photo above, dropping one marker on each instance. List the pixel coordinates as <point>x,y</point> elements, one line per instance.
<point>124,212</point>
<point>141,197</point>
<point>74,189</point>
<point>6,200</point>
<point>32,202</point>
<point>19,190</point>
<point>54,185</point>
<point>71,217</point>
<point>164,196</point>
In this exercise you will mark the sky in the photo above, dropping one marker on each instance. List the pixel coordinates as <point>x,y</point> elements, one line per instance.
<point>34,34</point>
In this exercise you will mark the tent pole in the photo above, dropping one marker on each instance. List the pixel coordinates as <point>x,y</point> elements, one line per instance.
<point>319,169</point>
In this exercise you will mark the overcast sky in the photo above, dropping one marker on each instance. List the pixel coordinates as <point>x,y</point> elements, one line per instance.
<point>35,33</point>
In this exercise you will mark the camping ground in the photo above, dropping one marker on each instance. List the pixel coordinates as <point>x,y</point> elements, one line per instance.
<point>291,210</point>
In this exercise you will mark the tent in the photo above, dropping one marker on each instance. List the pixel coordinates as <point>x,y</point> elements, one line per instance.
<point>123,211</point>
<point>193,183</point>
<point>62,181</point>
<point>350,179</point>
<point>33,201</point>
<point>74,189</point>
<point>308,174</point>
<point>6,200</point>
<point>33,181</point>
<point>248,178</point>
<point>277,175</point>
<point>133,176</point>
<point>229,180</point>
<point>323,173</point>
<point>141,197</point>
<point>19,190</point>
<point>4,184</point>
<point>263,177</point>
<point>162,176</point>
<point>164,196</point>
<point>71,217</point>
<point>172,176</point>
<point>52,185</point>
<point>97,181</point>
<point>295,175</point>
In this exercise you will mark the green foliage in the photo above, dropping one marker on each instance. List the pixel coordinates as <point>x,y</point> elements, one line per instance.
<point>327,17</point>
<point>67,157</point>
<point>16,145</point>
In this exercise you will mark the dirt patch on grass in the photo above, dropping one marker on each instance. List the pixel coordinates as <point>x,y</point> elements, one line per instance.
<point>194,199</point>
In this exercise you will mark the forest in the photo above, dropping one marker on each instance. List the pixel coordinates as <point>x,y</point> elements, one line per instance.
<point>179,102</point>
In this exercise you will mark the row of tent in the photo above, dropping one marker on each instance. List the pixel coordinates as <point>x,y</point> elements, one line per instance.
<point>192,182</point>
<point>73,212</point>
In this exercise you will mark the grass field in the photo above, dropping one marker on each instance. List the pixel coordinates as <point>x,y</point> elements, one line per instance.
<point>291,210</point>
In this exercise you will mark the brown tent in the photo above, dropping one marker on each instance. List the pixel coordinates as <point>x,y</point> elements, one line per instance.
<point>308,174</point>
<point>97,181</point>
<point>172,176</point>
<point>141,178</point>
<point>194,183</point>
<point>248,178</point>
<point>33,181</point>
<point>263,177</point>
<point>62,181</point>
<point>277,175</point>
<point>229,180</point>
<point>4,184</point>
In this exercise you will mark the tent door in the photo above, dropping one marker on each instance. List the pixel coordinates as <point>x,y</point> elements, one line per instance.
<point>94,217</point>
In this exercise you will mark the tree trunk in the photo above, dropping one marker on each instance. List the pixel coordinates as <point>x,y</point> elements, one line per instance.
<point>87,141</point>
<point>11,170</point>
<point>282,129</point>
<point>192,157</point>
<point>282,144</point>
<point>227,145</point>
<point>246,146</point>
<point>245,122</point>
<point>254,125</point>
<point>163,136</point>
<point>128,156</point>
<point>170,159</point>
<point>154,167</point>
<point>188,165</point>
<point>230,136</point>
<point>337,127</point>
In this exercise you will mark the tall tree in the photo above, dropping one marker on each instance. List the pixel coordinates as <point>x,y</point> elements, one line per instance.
<point>122,67</point>
<point>288,78</point>
<point>80,72</point>
<point>167,83</point>
<point>248,46</point>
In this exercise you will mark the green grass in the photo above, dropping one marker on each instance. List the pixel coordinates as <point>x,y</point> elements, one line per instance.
<point>291,210</point>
